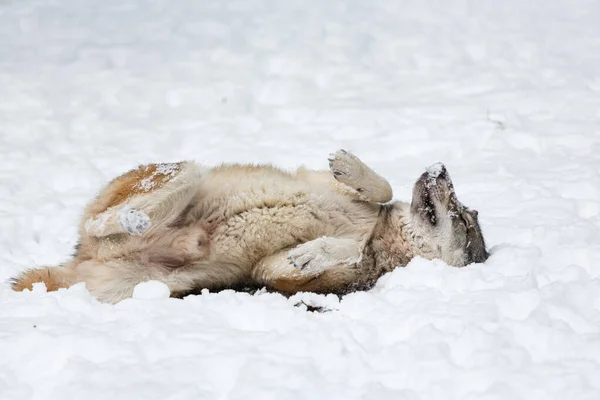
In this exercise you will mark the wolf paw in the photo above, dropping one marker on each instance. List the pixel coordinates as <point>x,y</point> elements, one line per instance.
<point>323,253</point>
<point>346,167</point>
<point>133,221</point>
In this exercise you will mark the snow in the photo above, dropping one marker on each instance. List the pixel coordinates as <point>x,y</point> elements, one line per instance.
<point>134,221</point>
<point>167,170</point>
<point>99,222</point>
<point>434,170</point>
<point>505,94</point>
<point>151,290</point>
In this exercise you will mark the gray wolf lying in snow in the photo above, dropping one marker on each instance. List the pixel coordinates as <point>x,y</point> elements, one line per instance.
<point>233,226</point>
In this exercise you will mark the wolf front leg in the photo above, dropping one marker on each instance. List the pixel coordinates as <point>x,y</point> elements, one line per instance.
<point>351,171</point>
<point>325,252</point>
<point>278,273</point>
<point>143,200</point>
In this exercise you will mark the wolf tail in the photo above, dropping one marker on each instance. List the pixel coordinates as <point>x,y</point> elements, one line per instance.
<point>54,277</point>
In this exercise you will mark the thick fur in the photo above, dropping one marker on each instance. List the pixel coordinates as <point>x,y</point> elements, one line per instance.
<point>242,225</point>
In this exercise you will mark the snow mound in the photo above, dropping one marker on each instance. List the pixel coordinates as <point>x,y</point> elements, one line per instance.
<point>151,290</point>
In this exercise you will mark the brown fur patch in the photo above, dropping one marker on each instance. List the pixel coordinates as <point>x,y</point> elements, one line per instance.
<point>293,283</point>
<point>143,179</point>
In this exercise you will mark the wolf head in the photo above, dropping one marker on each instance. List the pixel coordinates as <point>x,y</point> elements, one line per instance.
<point>449,230</point>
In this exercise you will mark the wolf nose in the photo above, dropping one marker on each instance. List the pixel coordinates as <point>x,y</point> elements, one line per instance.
<point>437,170</point>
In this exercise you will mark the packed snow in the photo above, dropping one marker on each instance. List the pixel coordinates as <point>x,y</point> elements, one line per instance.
<point>505,93</point>
<point>151,290</point>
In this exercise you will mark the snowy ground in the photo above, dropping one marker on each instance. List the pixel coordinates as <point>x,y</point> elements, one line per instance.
<point>506,93</point>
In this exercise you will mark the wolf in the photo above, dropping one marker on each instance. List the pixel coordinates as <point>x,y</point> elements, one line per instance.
<point>194,227</point>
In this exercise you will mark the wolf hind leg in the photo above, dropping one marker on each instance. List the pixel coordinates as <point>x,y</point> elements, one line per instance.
<point>143,200</point>
<point>115,280</point>
<point>108,281</point>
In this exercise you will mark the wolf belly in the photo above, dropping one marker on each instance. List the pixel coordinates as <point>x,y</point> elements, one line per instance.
<point>245,238</point>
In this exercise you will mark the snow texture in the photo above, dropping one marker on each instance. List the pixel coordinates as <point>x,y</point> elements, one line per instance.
<point>134,221</point>
<point>163,170</point>
<point>506,94</point>
<point>98,223</point>
<point>151,290</point>
<point>434,170</point>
